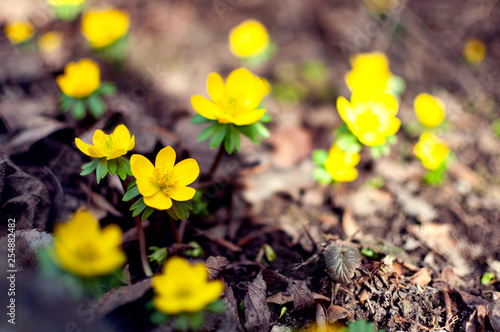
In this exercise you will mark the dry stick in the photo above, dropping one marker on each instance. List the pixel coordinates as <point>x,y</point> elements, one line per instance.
<point>208,177</point>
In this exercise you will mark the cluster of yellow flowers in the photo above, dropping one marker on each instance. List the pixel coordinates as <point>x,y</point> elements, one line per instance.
<point>80,79</point>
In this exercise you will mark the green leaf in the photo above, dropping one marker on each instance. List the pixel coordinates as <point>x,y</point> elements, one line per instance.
<point>319,157</point>
<point>107,89</point>
<point>78,110</point>
<point>235,134</point>
<point>65,103</point>
<point>228,142</point>
<point>96,106</point>
<point>360,326</point>
<point>138,207</point>
<point>121,173</point>
<point>378,151</point>
<point>209,131</point>
<point>131,184</point>
<point>216,307</point>
<point>249,132</point>
<point>89,167</point>
<point>348,143</point>
<point>112,166</point>
<point>158,317</point>
<point>261,130</point>
<point>125,164</point>
<point>98,171</point>
<point>220,133</point>
<point>149,211</point>
<point>488,278</point>
<point>265,118</point>
<point>131,193</point>
<point>396,85</point>
<point>322,176</point>
<point>200,119</point>
<point>195,320</point>
<point>104,168</point>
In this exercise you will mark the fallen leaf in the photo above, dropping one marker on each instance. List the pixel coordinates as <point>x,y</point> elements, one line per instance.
<point>280,298</point>
<point>476,321</point>
<point>494,315</point>
<point>321,323</point>
<point>257,313</point>
<point>412,205</point>
<point>291,145</point>
<point>422,277</point>
<point>215,266</point>
<point>231,303</point>
<point>123,295</point>
<point>302,297</point>
<point>350,226</point>
<point>335,313</point>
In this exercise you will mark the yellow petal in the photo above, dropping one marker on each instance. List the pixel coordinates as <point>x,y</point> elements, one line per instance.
<point>205,107</point>
<point>141,167</point>
<point>186,171</point>
<point>182,193</point>
<point>98,138</point>
<point>343,107</point>
<point>146,187</point>
<point>158,201</point>
<point>131,143</point>
<point>246,118</point>
<point>116,153</point>
<point>111,236</point>
<point>385,103</point>
<point>240,82</point>
<point>95,152</point>
<point>430,110</point>
<point>165,158</point>
<point>215,87</point>
<point>393,129</point>
<point>121,132</point>
<point>82,146</point>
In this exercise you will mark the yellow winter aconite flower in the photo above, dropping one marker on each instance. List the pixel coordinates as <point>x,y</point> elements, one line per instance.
<point>430,110</point>
<point>474,51</point>
<point>371,121</point>
<point>236,101</point>
<point>80,79</point>
<point>370,74</point>
<point>431,151</point>
<point>381,6</point>
<point>110,146</point>
<point>18,31</point>
<point>184,288</point>
<point>161,183</point>
<point>102,27</point>
<point>248,39</point>
<point>341,165</point>
<point>86,250</point>
<point>50,41</point>
<point>60,3</point>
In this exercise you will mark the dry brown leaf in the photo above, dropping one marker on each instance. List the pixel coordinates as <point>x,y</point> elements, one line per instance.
<point>291,145</point>
<point>335,313</point>
<point>422,277</point>
<point>257,313</point>
<point>350,226</point>
<point>216,266</point>
<point>302,297</point>
<point>122,296</point>
<point>280,298</point>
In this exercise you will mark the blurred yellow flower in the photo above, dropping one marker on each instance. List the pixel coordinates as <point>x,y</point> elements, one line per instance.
<point>235,102</point>
<point>381,6</point>
<point>103,27</point>
<point>60,3</point>
<point>161,183</point>
<point>184,288</point>
<point>474,51</point>
<point>249,38</point>
<point>370,74</point>
<point>341,165</point>
<point>19,31</point>
<point>80,79</point>
<point>430,110</point>
<point>371,121</point>
<point>431,151</point>
<point>86,250</point>
<point>110,146</point>
<point>50,41</point>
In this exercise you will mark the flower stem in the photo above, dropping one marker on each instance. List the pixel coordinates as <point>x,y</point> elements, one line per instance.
<point>142,247</point>
<point>175,232</point>
<point>208,176</point>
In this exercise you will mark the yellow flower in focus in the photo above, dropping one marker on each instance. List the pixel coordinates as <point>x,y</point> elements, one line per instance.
<point>86,250</point>
<point>236,101</point>
<point>184,288</point>
<point>474,51</point>
<point>430,110</point>
<point>431,151</point>
<point>60,3</point>
<point>161,183</point>
<point>110,146</point>
<point>102,27</point>
<point>19,31</point>
<point>370,74</point>
<point>341,165</point>
<point>371,121</point>
<point>80,79</point>
<point>249,38</point>
<point>50,41</point>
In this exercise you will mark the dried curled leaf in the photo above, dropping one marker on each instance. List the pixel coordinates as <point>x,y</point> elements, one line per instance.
<point>341,262</point>
<point>257,313</point>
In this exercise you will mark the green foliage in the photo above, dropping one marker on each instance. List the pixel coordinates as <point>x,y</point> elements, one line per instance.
<point>102,167</point>
<point>180,210</point>
<point>346,140</point>
<point>321,175</point>
<point>269,252</point>
<point>139,206</point>
<point>496,128</point>
<point>319,157</point>
<point>116,52</point>
<point>199,204</point>
<point>67,12</point>
<point>488,278</point>
<point>92,103</point>
<point>196,252</point>
<point>396,86</point>
<point>360,326</point>
<point>261,58</point>
<point>229,133</point>
<point>159,255</point>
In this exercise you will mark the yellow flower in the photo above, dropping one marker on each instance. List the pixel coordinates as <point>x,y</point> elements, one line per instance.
<point>161,183</point>
<point>430,110</point>
<point>381,6</point>
<point>341,165</point>
<point>60,3</point>
<point>235,102</point>
<point>18,31</point>
<point>184,288</point>
<point>474,51</point>
<point>248,39</point>
<point>80,79</point>
<point>370,74</point>
<point>86,250</point>
<point>431,151</point>
<point>102,27</point>
<point>370,121</point>
<point>50,41</point>
<point>110,146</point>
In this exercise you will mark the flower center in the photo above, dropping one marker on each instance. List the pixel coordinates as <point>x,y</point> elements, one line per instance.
<point>229,106</point>
<point>110,143</point>
<point>164,179</point>
<point>87,252</point>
